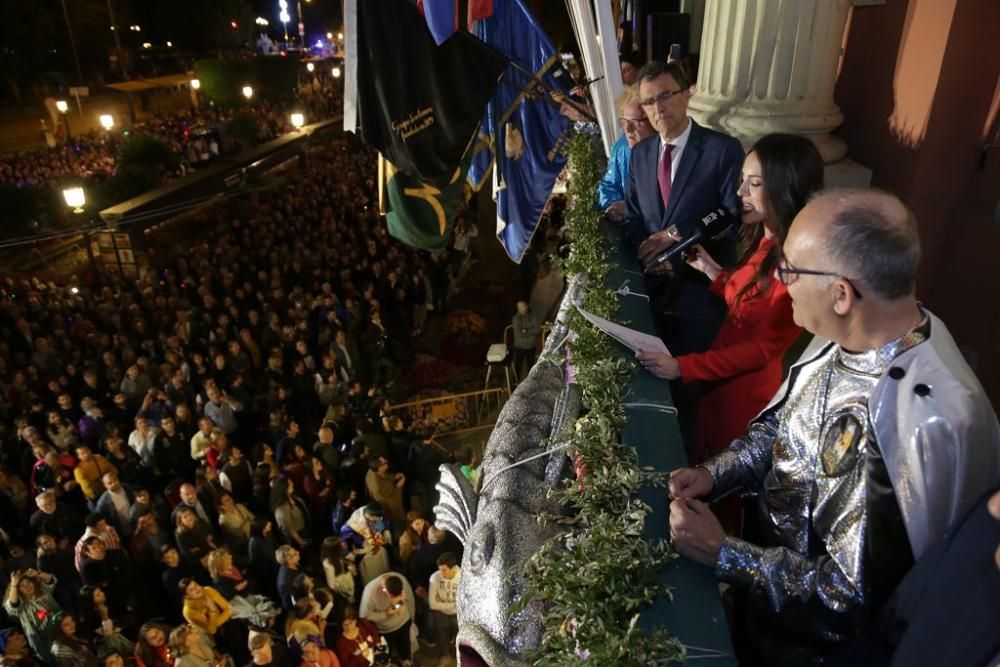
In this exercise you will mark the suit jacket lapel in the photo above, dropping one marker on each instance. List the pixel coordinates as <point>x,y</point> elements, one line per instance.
<point>689,158</point>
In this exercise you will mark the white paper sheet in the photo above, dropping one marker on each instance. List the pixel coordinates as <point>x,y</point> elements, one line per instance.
<point>630,338</point>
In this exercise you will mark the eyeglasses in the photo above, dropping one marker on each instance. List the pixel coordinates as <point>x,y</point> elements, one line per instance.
<point>629,124</point>
<point>788,274</point>
<point>662,97</point>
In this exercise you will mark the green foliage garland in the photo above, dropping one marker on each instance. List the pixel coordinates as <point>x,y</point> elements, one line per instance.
<point>594,579</point>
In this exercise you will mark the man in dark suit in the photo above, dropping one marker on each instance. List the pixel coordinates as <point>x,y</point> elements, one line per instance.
<point>676,177</point>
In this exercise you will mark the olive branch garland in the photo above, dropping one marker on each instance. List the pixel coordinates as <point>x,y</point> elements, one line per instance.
<point>594,579</point>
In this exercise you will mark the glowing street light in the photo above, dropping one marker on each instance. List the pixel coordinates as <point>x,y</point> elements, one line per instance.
<point>284,17</point>
<point>170,45</point>
<point>147,45</point>
<point>329,35</point>
<point>195,84</point>
<point>107,121</point>
<point>247,92</point>
<point>310,67</point>
<point>335,72</point>
<point>62,106</point>
<point>261,21</point>
<point>298,120</point>
<point>340,36</point>
<point>75,199</point>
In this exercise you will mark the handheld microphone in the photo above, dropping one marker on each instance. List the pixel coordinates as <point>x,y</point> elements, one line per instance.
<point>712,226</point>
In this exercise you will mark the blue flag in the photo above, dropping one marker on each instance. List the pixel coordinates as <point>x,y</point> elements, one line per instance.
<point>522,132</point>
<point>442,18</point>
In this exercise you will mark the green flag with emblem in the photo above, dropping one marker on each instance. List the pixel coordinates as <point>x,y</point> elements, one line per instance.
<point>420,214</point>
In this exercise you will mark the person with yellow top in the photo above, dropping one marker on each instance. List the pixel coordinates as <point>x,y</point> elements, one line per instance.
<point>204,607</point>
<point>90,468</point>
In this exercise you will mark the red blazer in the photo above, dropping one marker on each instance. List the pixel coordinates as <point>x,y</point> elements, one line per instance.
<point>744,364</point>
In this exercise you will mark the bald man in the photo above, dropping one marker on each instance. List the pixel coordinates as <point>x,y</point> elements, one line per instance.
<point>879,439</point>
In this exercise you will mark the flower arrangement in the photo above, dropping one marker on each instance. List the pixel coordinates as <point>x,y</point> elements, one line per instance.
<point>595,578</point>
<point>465,322</point>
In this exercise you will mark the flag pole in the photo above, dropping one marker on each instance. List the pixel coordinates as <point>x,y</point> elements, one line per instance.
<point>582,110</point>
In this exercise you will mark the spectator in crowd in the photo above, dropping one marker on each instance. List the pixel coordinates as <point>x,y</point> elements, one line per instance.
<point>152,650</point>
<point>441,596</point>
<point>358,641</point>
<point>386,489</point>
<point>204,607</point>
<point>15,650</point>
<point>288,559</point>
<point>367,535</point>
<point>235,522</point>
<point>526,329</point>
<point>29,600</point>
<point>339,572</point>
<point>387,601</point>
<point>68,649</point>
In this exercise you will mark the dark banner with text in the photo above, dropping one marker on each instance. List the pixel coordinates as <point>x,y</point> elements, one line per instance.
<point>419,104</point>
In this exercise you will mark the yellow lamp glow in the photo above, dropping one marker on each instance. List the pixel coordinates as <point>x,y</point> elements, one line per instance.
<point>75,199</point>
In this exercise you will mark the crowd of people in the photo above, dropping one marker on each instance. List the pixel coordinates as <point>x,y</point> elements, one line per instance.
<point>195,135</point>
<point>200,465</point>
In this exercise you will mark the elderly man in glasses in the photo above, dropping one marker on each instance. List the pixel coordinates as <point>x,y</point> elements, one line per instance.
<point>879,439</point>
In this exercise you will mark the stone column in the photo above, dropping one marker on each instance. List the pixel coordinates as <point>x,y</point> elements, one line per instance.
<point>770,66</point>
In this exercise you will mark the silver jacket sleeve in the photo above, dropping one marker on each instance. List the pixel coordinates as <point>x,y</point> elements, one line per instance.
<point>781,576</point>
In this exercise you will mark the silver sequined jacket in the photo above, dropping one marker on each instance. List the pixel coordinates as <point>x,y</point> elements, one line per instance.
<point>939,442</point>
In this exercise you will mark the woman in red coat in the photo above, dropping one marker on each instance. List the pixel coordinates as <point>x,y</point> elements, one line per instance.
<point>743,367</point>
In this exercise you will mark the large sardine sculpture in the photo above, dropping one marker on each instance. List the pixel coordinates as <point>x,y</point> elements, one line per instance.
<point>498,523</point>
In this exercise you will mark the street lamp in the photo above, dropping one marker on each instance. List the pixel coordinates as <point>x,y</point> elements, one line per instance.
<point>335,72</point>
<point>298,120</point>
<point>310,67</point>
<point>329,36</point>
<point>195,84</point>
<point>247,92</point>
<point>284,17</point>
<point>75,199</point>
<point>107,121</point>
<point>62,106</point>
<point>261,21</point>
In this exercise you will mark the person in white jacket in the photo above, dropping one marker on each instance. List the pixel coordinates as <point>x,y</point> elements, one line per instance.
<point>441,598</point>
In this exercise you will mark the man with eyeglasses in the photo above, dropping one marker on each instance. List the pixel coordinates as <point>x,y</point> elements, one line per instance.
<point>879,439</point>
<point>675,177</point>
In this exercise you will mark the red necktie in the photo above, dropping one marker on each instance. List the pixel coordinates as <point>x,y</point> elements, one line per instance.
<point>663,175</point>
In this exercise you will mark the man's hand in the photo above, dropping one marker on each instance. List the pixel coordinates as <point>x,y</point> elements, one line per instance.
<point>695,531</point>
<point>690,483</point>
<point>616,211</point>
<point>659,364</point>
<point>651,248</point>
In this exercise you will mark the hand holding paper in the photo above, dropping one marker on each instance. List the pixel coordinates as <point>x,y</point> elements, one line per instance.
<point>630,338</point>
<point>660,364</point>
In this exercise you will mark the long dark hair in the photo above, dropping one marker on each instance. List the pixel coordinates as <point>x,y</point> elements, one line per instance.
<point>792,170</point>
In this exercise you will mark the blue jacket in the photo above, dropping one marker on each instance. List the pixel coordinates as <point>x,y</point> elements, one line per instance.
<point>612,185</point>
